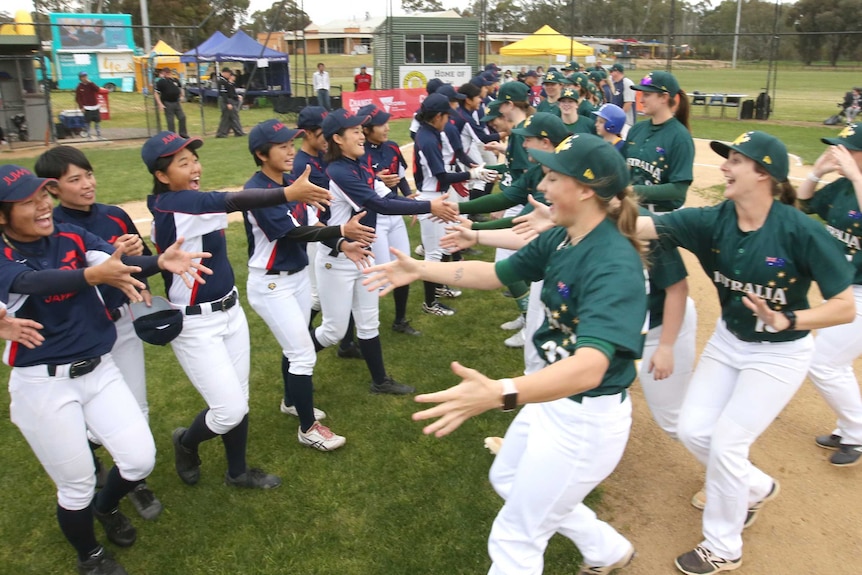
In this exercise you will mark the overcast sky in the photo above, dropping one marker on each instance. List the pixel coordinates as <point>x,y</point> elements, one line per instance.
<point>320,11</point>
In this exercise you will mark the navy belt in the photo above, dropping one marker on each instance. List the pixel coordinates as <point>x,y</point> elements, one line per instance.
<point>116,314</point>
<point>78,368</point>
<point>223,304</point>
<point>283,272</point>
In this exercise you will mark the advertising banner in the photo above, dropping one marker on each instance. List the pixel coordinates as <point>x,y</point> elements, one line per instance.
<point>416,75</point>
<point>399,103</point>
<point>86,32</point>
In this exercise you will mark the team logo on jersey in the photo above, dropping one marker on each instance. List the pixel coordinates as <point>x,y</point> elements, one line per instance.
<point>854,215</point>
<point>659,150</point>
<point>775,262</point>
<point>742,139</point>
<point>563,290</point>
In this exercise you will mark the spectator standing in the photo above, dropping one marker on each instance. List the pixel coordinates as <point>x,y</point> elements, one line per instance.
<point>229,101</point>
<point>320,81</point>
<point>624,95</point>
<point>362,81</point>
<point>169,94</point>
<point>87,98</point>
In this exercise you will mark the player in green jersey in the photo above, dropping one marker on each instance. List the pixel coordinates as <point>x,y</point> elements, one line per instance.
<point>660,152</point>
<point>571,433</point>
<point>574,121</point>
<point>553,86</point>
<point>835,348</point>
<point>762,256</point>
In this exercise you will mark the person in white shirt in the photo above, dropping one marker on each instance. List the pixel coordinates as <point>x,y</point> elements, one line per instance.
<point>624,96</point>
<point>320,82</point>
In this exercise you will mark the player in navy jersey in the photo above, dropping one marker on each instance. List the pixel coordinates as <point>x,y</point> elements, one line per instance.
<point>278,287</point>
<point>311,154</point>
<point>474,135</point>
<point>70,384</point>
<point>353,186</point>
<point>213,348</point>
<point>76,190</point>
<point>384,156</point>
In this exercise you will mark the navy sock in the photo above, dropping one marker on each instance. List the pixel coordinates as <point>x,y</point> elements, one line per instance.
<point>198,432</point>
<point>373,354</point>
<point>285,376</point>
<point>116,487</point>
<point>430,292</point>
<point>77,527</point>
<point>301,389</point>
<point>400,294</point>
<point>347,340</point>
<point>317,345</point>
<point>235,443</point>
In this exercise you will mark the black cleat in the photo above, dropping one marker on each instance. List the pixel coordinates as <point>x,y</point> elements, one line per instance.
<point>100,562</point>
<point>118,528</point>
<point>391,387</point>
<point>187,461</point>
<point>253,478</point>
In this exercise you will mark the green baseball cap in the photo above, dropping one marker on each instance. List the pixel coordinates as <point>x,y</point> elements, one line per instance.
<point>618,68</point>
<point>492,111</point>
<point>591,161</point>
<point>768,151</point>
<point>544,125</point>
<point>850,137</point>
<point>572,65</point>
<point>658,81</point>
<point>570,92</point>
<point>513,92</point>
<point>554,77</point>
<point>579,79</point>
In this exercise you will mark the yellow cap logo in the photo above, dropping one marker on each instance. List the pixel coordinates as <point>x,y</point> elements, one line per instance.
<point>564,145</point>
<point>746,137</point>
<point>543,133</point>
<point>528,121</point>
<point>767,160</point>
<point>850,130</point>
<point>589,174</point>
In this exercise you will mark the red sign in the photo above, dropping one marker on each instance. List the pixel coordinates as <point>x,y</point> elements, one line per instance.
<point>399,103</point>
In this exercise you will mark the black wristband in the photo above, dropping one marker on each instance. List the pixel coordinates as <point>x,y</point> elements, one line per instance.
<point>791,317</point>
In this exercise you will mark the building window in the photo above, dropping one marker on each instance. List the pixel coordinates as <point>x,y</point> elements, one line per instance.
<point>435,49</point>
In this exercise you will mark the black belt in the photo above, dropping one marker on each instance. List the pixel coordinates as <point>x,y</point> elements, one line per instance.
<point>78,368</point>
<point>223,304</point>
<point>284,272</point>
<point>116,314</point>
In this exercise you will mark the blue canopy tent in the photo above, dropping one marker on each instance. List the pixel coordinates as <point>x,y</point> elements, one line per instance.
<point>267,69</point>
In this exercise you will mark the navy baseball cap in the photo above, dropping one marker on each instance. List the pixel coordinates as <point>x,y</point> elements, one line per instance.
<point>270,132</point>
<point>491,76</point>
<point>19,183</point>
<point>165,144</point>
<point>311,117</point>
<point>532,74</point>
<point>339,120</point>
<point>433,84</point>
<point>158,324</point>
<point>492,66</point>
<point>480,81</point>
<point>376,116</point>
<point>436,103</point>
<point>449,91</point>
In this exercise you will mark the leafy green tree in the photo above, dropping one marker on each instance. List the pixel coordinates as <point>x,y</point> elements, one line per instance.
<point>280,16</point>
<point>838,17</point>
<point>413,6</point>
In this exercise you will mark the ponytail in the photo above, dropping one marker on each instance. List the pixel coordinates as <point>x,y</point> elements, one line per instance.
<point>682,109</point>
<point>784,191</point>
<point>624,212</point>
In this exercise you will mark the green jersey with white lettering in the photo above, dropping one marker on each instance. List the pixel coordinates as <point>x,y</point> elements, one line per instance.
<point>594,290</point>
<point>666,268</point>
<point>659,154</point>
<point>525,186</point>
<point>776,262</point>
<point>836,203</point>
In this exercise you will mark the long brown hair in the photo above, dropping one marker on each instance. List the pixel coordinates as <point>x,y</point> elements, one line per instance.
<point>784,191</point>
<point>625,214</point>
<point>682,109</point>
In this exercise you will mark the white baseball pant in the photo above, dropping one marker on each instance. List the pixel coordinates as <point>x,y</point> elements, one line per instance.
<point>835,348</point>
<point>533,362</point>
<point>502,253</point>
<point>737,390</point>
<point>213,350</point>
<point>432,231</point>
<point>55,412</point>
<point>128,353</point>
<point>391,233</point>
<point>554,454</point>
<point>284,303</point>
<point>311,248</point>
<point>665,396</point>
<point>342,292</point>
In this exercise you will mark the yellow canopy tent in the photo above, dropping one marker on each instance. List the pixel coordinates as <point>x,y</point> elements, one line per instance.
<point>546,42</point>
<point>161,56</point>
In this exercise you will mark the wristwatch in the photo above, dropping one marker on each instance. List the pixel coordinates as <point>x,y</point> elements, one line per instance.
<point>510,395</point>
<point>791,317</point>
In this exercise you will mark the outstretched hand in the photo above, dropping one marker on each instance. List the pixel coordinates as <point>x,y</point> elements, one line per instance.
<point>360,254</point>
<point>534,223</point>
<point>459,237</point>
<point>356,231</point>
<point>114,272</point>
<point>302,190</point>
<point>773,321</point>
<point>475,394</point>
<point>187,265</point>
<point>23,331</point>
<point>396,273</point>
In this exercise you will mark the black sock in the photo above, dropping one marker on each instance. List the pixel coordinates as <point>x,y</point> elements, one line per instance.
<point>489,187</point>
<point>198,432</point>
<point>317,345</point>
<point>373,354</point>
<point>430,293</point>
<point>456,257</point>
<point>285,376</point>
<point>400,295</point>
<point>116,487</point>
<point>301,389</point>
<point>235,443</point>
<point>77,527</point>
<point>96,462</point>
<point>314,313</point>
<point>347,340</point>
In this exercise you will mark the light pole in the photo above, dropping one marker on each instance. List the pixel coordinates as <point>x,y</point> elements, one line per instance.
<point>736,33</point>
